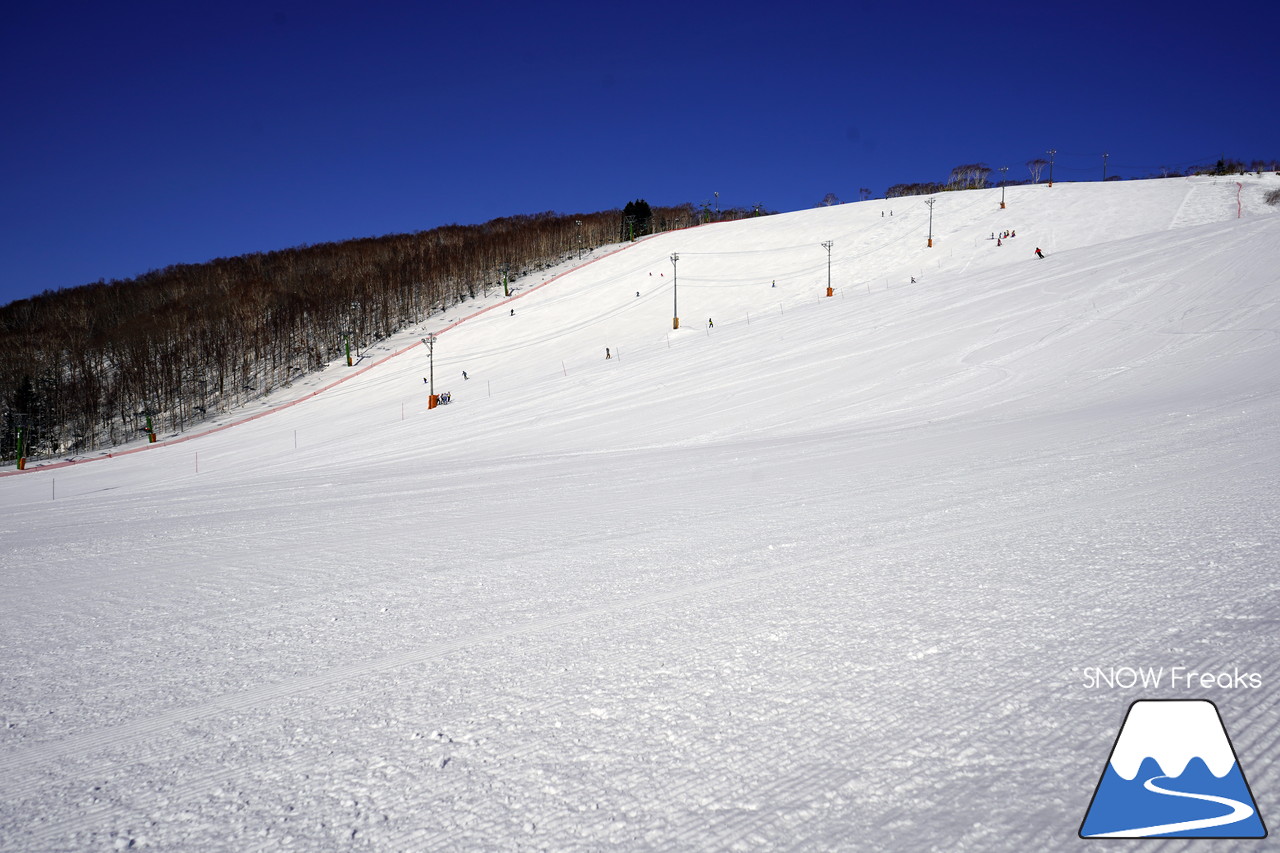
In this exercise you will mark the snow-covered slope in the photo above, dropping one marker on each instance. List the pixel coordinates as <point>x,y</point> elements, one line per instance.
<point>831,574</point>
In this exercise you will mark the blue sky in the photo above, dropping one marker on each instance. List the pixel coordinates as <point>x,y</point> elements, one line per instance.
<point>145,134</point>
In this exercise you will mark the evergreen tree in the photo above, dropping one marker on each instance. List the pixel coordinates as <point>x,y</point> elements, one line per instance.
<point>637,219</point>
<point>25,410</point>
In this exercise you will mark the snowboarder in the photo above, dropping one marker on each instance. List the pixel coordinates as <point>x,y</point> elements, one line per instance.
<point>464,375</point>
<point>913,279</point>
<point>513,312</point>
<point>637,293</point>
<point>999,241</point>
<point>1039,254</point>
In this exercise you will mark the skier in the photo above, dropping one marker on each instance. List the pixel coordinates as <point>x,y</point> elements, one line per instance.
<point>710,325</point>
<point>1039,254</point>
<point>464,375</point>
<point>607,354</point>
<point>999,241</point>
<point>513,312</point>
<point>637,293</point>
<point>913,279</point>
<point>775,283</point>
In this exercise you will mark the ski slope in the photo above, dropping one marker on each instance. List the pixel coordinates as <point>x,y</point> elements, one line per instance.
<point>829,575</point>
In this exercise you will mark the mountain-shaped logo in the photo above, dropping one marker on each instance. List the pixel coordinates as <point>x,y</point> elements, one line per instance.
<point>1173,774</point>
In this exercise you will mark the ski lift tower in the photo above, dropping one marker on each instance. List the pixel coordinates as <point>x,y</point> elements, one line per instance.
<point>827,245</point>
<point>432,399</point>
<point>675,313</point>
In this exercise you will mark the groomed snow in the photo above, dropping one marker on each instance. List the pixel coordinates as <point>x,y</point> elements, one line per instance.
<point>830,575</point>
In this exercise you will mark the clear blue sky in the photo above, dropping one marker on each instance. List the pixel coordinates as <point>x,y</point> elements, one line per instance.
<point>139,135</point>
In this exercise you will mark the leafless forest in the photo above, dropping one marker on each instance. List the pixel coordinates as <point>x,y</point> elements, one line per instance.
<point>86,366</point>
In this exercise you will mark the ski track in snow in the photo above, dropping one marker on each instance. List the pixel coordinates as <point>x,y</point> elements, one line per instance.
<point>825,576</point>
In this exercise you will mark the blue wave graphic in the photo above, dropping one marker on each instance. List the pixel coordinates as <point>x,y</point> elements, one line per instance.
<point>1120,806</point>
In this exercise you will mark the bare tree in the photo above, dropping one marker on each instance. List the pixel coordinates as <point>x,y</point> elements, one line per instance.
<point>969,176</point>
<point>928,188</point>
<point>188,341</point>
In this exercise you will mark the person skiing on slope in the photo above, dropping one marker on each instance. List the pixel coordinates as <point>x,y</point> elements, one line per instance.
<point>1039,254</point>
<point>464,374</point>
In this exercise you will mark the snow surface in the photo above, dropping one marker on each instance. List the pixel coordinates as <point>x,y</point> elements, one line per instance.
<point>830,575</point>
